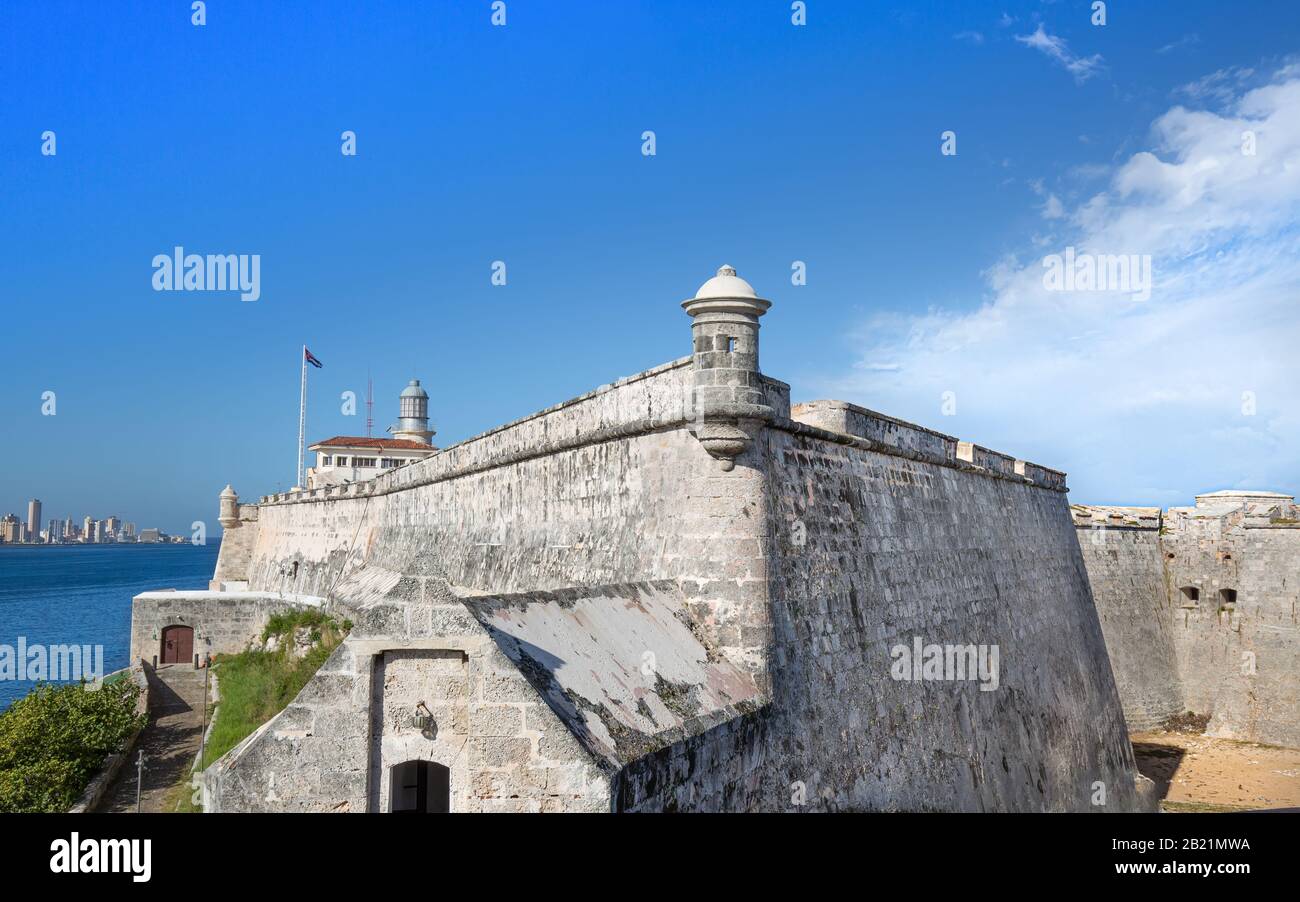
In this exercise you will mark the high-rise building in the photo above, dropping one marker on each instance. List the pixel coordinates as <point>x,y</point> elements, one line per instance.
<point>34,520</point>
<point>99,531</point>
<point>11,528</point>
<point>69,529</point>
<point>112,526</point>
<point>128,530</point>
<point>54,533</point>
<point>88,530</point>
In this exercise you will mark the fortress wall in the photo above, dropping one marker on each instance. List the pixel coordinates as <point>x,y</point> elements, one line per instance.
<point>1203,553</point>
<point>1239,663</point>
<point>608,488</point>
<point>1137,618</point>
<point>512,509</point>
<point>893,549</point>
<point>870,550</point>
<point>1264,705</point>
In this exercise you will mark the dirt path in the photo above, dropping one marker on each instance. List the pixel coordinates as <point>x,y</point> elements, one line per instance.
<point>1198,773</point>
<point>169,742</point>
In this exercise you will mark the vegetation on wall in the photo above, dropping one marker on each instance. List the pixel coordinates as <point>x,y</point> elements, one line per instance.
<point>53,741</point>
<point>257,684</point>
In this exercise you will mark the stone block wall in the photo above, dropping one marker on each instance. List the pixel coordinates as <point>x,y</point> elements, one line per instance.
<point>874,550</point>
<point>333,748</point>
<point>223,622</point>
<point>1126,573</point>
<point>608,488</point>
<point>1176,641</point>
<point>805,566</point>
<point>236,552</point>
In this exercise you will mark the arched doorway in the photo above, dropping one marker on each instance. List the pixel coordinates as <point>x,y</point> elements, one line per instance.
<point>419,787</point>
<point>177,644</point>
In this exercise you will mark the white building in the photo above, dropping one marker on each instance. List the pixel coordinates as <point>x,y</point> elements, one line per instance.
<point>348,458</point>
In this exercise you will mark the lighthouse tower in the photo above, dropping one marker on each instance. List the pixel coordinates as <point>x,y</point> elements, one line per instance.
<point>413,422</point>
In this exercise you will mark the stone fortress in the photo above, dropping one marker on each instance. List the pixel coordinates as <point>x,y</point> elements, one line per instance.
<point>680,592</point>
<point>1199,606</point>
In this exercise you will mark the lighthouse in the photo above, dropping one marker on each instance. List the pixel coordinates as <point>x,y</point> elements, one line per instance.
<point>413,413</point>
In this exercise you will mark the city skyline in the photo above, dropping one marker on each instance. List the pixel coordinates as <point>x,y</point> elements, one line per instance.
<point>112,529</point>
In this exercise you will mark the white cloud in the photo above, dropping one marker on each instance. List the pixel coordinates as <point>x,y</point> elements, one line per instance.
<point>1140,400</point>
<point>1222,86</point>
<point>973,37</point>
<point>1186,40</point>
<point>1081,67</point>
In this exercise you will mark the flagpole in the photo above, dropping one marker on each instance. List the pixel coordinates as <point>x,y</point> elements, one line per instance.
<point>302,415</point>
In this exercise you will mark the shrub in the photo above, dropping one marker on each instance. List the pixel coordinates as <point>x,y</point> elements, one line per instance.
<point>54,740</point>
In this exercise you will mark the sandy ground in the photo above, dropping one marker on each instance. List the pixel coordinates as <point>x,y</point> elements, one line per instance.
<point>1198,773</point>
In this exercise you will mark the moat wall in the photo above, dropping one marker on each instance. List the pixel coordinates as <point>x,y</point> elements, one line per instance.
<point>1128,585</point>
<point>1200,610</point>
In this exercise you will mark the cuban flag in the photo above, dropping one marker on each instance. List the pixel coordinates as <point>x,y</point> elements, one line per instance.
<point>311,358</point>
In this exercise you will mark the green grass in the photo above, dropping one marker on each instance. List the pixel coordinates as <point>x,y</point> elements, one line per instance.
<point>256,685</point>
<point>184,797</point>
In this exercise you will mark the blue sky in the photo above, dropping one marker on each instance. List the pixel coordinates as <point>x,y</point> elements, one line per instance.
<point>522,143</point>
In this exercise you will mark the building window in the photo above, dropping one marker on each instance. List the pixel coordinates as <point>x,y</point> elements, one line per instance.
<point>1228,597</point>
<point>325,460</point>
<point>363,461</point>
<point>1191,593</point>
<point>342,461</point>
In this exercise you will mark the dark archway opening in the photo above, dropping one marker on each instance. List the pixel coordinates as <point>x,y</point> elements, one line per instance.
<point>419,787</point>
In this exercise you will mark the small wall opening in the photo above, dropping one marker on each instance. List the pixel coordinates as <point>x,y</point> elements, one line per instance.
<point>1191,593</point>
<point>419,787</point>
<point>1228,597</point>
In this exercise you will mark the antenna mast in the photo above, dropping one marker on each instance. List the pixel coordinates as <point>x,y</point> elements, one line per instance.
<point>370,405</point>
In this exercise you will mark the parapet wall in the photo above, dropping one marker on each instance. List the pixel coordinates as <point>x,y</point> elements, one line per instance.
<point>878,432</point>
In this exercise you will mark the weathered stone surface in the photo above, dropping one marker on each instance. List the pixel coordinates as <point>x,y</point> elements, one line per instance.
<point>1233,650</point>
<point>505,592</point>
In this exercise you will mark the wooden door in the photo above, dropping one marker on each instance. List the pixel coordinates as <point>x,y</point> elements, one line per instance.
<point>177,645</point>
